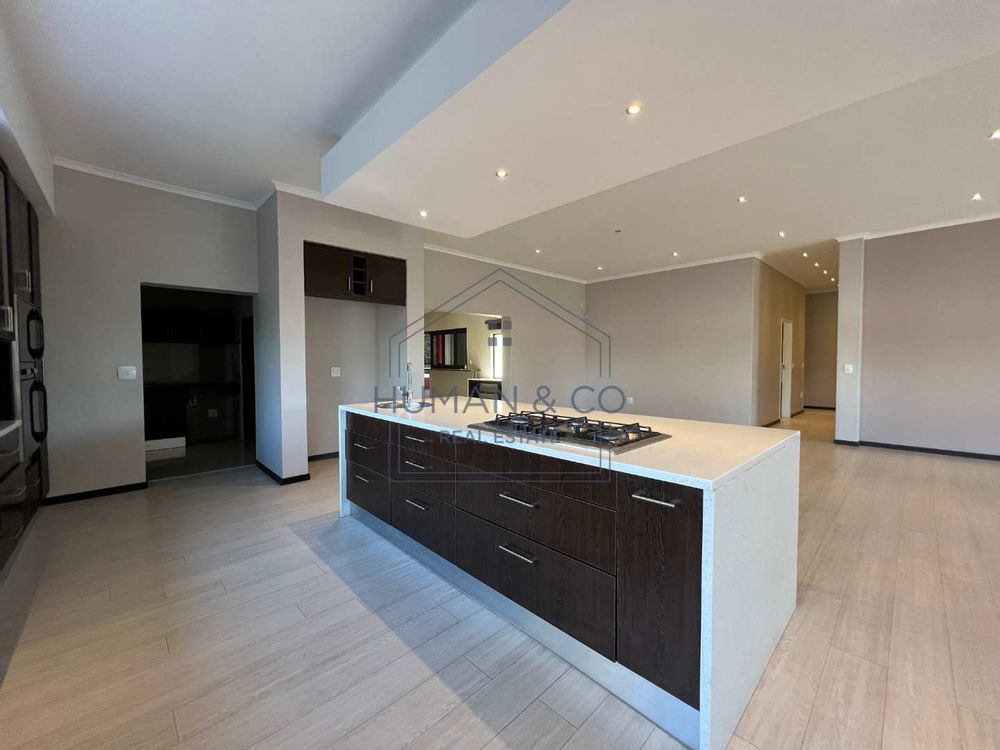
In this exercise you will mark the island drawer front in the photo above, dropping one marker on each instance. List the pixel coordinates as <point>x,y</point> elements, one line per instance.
<point>580,530</point>
<point>439,444</point>
<point>591,484</point>
<point>659,583</point>
<point>576,598</point>
<point>368,452</point>
<point>424,519</point>
<point>368,490</point>
<point>424,473</point>
<point>370,426</point>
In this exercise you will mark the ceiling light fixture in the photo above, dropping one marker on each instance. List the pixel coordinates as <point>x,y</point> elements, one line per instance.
<point>805,255</point>
<point>600,268</point>
<point>816,264</point>
<point>676,254</point>
<point>996,135</point>
<point>825,272</point>
<point>976,197</point>
<point>502,173</point>
<point>423,213</point>
<point>538,250</point>
<point>781,234</point>
<point>741,199</point>
<point>833,278</point>
<point>634,108</point>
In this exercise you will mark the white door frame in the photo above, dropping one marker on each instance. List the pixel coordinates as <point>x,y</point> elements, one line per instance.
<point>787,366</point>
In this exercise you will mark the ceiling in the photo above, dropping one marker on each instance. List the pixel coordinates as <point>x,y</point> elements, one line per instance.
<point>220,96</point>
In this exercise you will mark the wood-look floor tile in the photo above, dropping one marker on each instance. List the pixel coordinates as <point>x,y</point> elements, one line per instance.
<point>538,727</point>
<point>613,724</point>
<point>978,732</point>
<point>574,696</point>
<point>847,713</point>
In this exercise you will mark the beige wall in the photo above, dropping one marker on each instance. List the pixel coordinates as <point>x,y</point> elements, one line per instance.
<point>821,350</point>
<point>776,298</point>
<point>107,239</point>
<point>931,340</point>
<point>283,438</point>
<point>546,350</point>
<point>682,340</point>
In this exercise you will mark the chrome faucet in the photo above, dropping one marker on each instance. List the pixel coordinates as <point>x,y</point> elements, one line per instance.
<point>407,390</point>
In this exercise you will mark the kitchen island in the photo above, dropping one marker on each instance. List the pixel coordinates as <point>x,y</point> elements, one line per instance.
<point>666,573</point>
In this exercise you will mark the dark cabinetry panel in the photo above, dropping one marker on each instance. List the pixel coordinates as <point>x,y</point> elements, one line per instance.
<point>439,444</point>
<point>368,452</point>
<point>369,489</point>
<point>340,273</point>
<point>6,299</point>
<point>370,426</point>
<point>574,597</point>
<point>659,583</point>
<point>424,518</point>
<point>424,473</point>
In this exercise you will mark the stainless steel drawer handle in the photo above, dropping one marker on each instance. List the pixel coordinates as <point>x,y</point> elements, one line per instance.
<point>415,466</point>
<point>654,501</point>
<point>416,505</point>
<point>361,478</point>
<point>414,439</point>
<point>362,447</point>
<point>522,503</point>
<point>518,555</point>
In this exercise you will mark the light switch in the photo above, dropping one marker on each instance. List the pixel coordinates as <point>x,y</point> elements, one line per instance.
<point>126,372</point>
<point>848,369</point>
<point>334,372</point>
<point>629,400</point>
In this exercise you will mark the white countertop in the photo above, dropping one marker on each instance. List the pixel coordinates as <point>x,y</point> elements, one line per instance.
<point>698,454</point>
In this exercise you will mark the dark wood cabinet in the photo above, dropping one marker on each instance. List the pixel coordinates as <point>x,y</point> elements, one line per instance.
<point>386,279</point>
<point>369,490</point>
<point>368,452</point>
<point>659,583</point>
<point>7,323</point>
<point>438,444</point>
<point>369,426</point>
<point>424,472</point>
<point>424,518</point>
<point>341,273</point>
<point>499,558</point>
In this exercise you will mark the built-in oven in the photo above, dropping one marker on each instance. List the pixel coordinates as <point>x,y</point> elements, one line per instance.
<point>30,331</point>
<point>34,409</point>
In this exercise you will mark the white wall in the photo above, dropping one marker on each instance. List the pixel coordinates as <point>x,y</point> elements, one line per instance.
<point>682,341</point>
<point>341,333</point>
<point>546,350</point>
<point>107,239</point>
<point>283,448</point>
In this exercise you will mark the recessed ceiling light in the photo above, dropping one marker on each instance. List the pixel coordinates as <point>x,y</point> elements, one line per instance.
<point>538,250</point>
<point>781,234</point>
<point>741,199</point>
<point>805,255</point>
<point>423,213</point>
<point>832,278</point>
<point>634,108</point>
<point>502,173</point>
<point>977,197</point>
<point>996,135</point>
<point>676,254</point>
<point>816,264</point>
<point>600,268</point>
<point>825,272</point>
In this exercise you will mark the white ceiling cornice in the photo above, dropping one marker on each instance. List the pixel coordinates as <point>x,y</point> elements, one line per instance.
<point>165,187</point>
<point>501,263</point>
<point>678,267</point>
<point>285,187</point>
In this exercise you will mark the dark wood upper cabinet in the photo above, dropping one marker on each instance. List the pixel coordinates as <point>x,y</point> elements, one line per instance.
<point>339,273</point>
<point>386,280</point>
<point>659,527</point>
<point>6,300</point>
<point>22,235</point>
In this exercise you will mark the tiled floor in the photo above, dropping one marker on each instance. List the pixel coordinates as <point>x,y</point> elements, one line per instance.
<point>224,611</point>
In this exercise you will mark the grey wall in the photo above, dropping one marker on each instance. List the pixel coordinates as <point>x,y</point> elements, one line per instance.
<point>283,438</point>
<point>344,334</point>
<point>850,306</point>
<point>107,239</point>
<point>682,340</point>
<point>931,341</point>
<point>546,350</point>
<point>776,298</point>
<point>821,349</point>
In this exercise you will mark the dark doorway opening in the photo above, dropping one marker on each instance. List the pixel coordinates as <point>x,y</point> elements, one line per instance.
<point>198,381</point>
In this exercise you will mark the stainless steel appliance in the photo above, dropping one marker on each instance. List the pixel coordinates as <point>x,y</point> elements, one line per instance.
<point>616,437</point>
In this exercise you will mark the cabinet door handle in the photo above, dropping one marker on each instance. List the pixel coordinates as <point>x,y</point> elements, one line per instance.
<point>362,447</point>
<point>416,504</point>
<point>371,286</point>
<point>348,283</point>
<point>361,478</point>
<point>515,553</point>
<point>415,466</point>
<point>522,503</point>
<point>654,501</point>
<point>7,318</point>
<point>414,439</point>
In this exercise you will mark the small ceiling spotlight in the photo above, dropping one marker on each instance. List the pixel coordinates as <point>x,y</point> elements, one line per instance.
<point>805,255</point>
<point>781,234</point>
<point>676,254</point>
<point>502,173</point>
<point>423,213</point>
<point>825,272</point>
<point>995,135</point>
<point>600,268</point>
<point>634,108</point>
<point>741,199</point>
<point>816,264</point>
<point>538,250</point>
<point>833,279</point>
<point>976,197</point>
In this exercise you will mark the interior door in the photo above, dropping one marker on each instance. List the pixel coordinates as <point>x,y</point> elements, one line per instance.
<point>386,280</point>
<point>787,366</point>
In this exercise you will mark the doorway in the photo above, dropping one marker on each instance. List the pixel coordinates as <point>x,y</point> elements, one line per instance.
<point>785,396</point>
<point>198,381</point>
